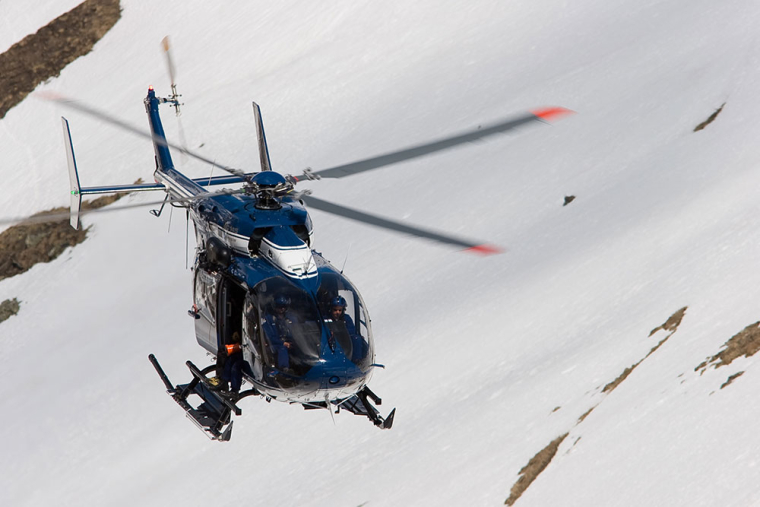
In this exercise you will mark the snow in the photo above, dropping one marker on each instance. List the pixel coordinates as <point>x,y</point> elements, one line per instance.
<point>19,19</point>
<point>479,351</point>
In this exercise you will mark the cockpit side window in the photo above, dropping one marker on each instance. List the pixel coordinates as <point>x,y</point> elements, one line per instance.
<point>251,324</point>
<point>346,318</point>
<point>206,294</point>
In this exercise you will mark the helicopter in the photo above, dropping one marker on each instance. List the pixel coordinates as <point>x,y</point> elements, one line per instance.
<point>269,308</point>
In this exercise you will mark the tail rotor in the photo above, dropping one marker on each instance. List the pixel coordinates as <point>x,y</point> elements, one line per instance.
<point>173,99</point>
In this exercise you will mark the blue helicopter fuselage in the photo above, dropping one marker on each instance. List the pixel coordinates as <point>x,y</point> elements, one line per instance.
<point>252,252</point>
<point>326,360</point>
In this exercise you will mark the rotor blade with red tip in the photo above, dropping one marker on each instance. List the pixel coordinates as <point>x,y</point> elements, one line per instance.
<point>551,113</point>
<point>538,115</point>
<point>384,223</point>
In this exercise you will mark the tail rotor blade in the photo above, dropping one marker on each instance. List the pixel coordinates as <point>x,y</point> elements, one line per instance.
<point>175,96</point>
<point>167,51</point>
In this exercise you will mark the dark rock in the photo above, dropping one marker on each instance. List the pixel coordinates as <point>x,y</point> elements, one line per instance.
<point>9,308</point>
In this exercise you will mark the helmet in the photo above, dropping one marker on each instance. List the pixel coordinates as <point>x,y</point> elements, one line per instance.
<point>282,301</point>
<point>338,301</point>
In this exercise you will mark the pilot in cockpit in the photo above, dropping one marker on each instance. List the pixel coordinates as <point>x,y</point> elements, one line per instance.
<point>340,324</point>
<point>338,314</point>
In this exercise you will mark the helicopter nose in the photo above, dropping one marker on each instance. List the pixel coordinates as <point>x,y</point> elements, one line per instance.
<point>341,379</point>
<point>334,377</point>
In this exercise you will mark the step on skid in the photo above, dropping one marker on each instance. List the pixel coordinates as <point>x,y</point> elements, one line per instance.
<point>214,414</point>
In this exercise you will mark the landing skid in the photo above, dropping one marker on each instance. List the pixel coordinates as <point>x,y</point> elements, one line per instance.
<point>359,404</point>
<point>212,416</point>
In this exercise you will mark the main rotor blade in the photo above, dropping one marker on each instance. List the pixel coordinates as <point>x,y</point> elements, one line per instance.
<point>82,108</point>
<point>384,223</point>
<point>542,115</point>
<point>45,217</point>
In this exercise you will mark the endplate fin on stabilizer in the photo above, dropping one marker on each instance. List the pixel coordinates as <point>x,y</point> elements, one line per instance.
<point>76,196</point>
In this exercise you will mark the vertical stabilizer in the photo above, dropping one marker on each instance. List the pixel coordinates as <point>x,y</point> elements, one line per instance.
<point>76,196</point>
<point>262,139</point>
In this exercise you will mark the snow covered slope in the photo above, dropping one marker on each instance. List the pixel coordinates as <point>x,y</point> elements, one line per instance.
<point>489,359</point>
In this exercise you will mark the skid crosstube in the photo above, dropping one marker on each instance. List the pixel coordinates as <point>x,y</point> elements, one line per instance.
<point>213,414</point>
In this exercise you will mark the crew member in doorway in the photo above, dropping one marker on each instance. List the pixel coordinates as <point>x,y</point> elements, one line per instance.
<point>233,366</point>
<point>278,327</point>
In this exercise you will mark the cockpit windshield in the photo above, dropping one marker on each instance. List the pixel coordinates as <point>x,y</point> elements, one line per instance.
<point>285,324</point>
<point>345,317</point>
<point>290,333</point>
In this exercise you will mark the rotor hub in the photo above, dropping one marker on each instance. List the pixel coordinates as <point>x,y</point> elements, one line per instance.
<point>268,179</point>
<point>267,186</point>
